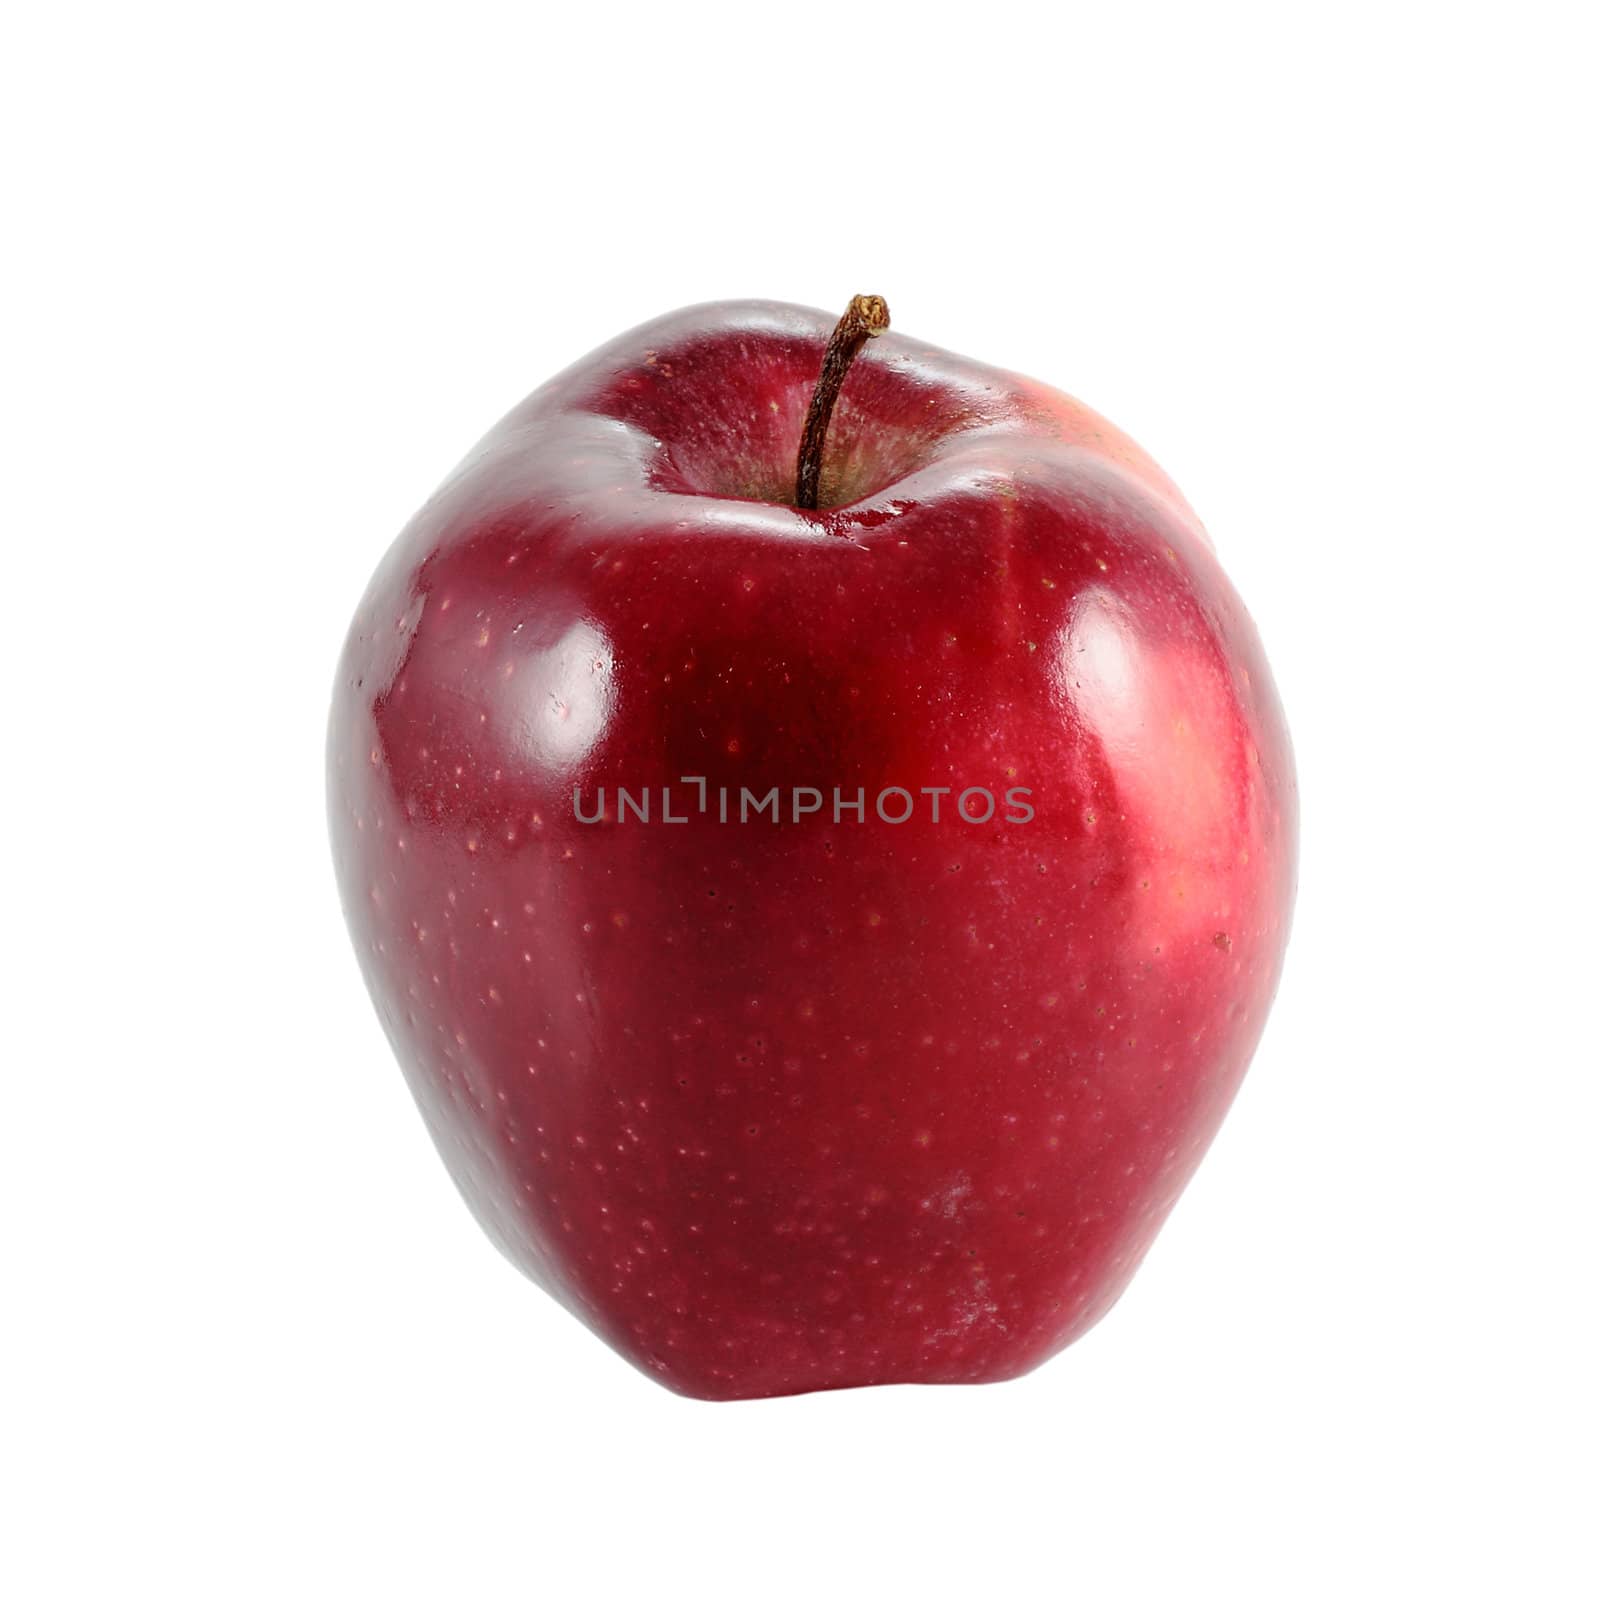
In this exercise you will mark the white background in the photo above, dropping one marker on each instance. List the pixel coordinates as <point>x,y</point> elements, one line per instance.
<point>272,270</point>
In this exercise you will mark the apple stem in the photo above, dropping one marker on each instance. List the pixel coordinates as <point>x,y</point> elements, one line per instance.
<point>864,318</point>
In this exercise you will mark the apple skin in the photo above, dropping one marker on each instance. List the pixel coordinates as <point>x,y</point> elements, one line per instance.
<point>776,1108</point>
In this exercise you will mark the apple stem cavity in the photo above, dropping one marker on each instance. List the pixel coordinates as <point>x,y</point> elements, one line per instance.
<point>864,318</point>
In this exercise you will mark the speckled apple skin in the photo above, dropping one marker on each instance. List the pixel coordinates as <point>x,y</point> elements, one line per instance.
<point>795,1107</point>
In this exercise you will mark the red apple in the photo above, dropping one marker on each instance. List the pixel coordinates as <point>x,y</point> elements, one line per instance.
<point>786,1103</point>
